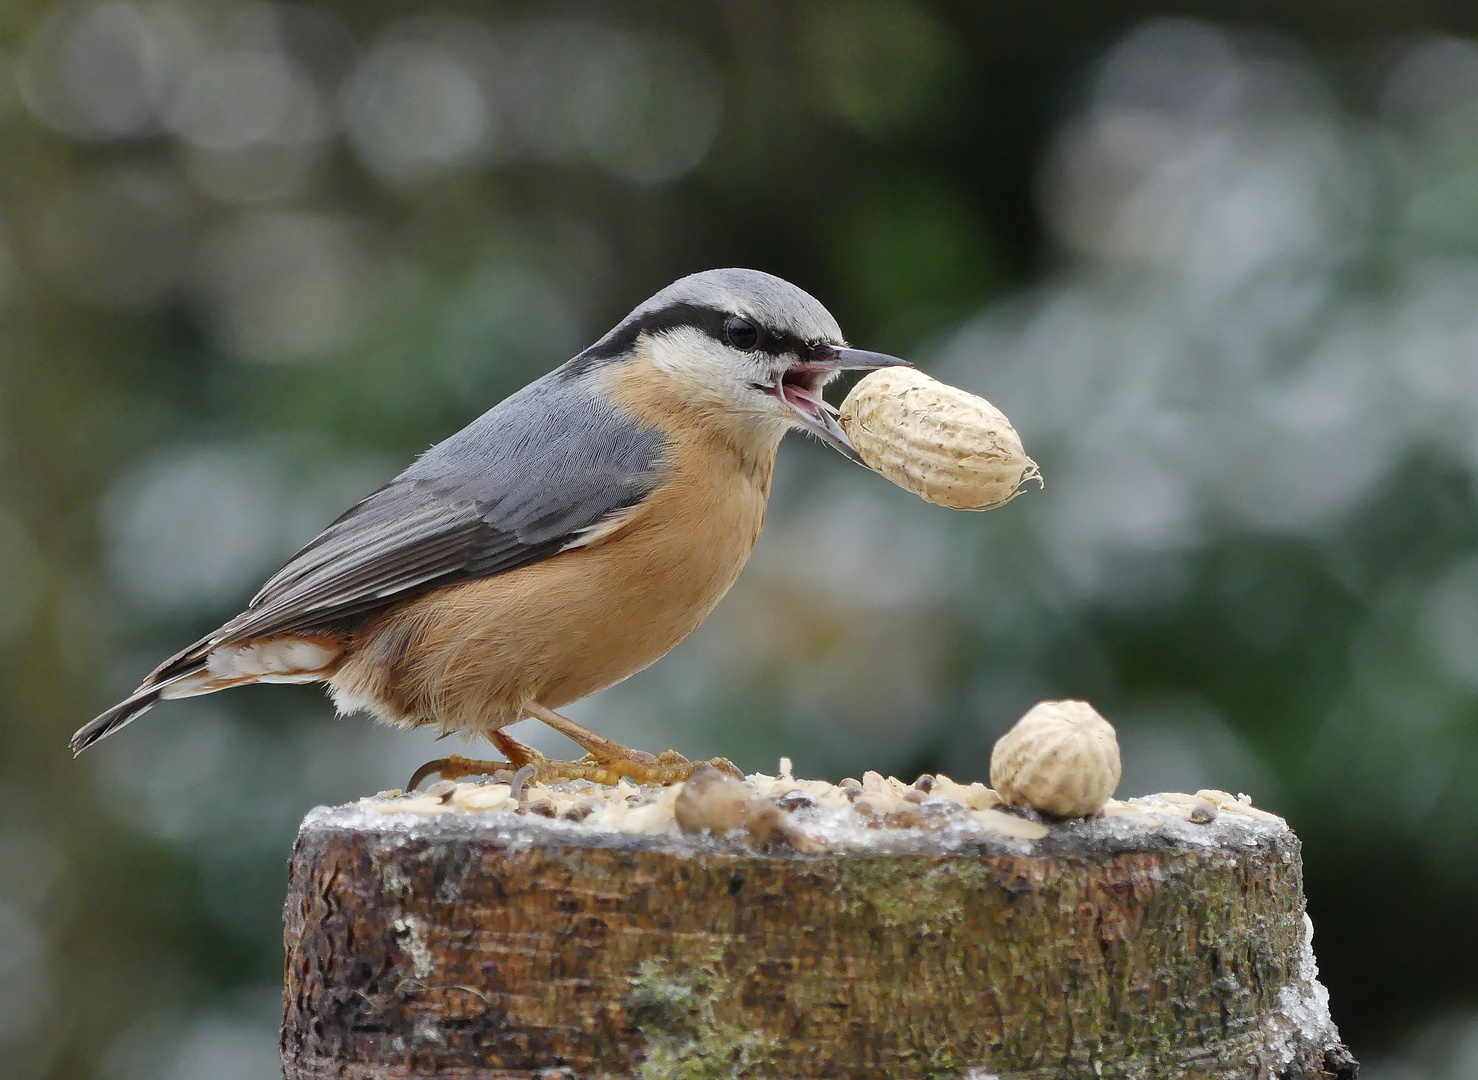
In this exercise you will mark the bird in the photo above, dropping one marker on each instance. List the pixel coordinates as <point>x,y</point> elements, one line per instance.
<point>566,539</point>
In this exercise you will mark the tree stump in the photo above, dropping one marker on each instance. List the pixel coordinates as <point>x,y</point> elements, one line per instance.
<point>494,946</point>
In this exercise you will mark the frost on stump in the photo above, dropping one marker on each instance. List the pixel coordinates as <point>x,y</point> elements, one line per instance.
<point>454,936</point>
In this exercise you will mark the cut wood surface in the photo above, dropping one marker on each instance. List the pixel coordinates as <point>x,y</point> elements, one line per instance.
<point>484,946</point>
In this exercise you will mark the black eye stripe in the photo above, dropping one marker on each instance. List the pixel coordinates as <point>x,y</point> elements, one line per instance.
<point>711,321</point>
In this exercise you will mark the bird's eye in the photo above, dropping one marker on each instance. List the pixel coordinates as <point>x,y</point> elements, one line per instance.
<point>742,333</point>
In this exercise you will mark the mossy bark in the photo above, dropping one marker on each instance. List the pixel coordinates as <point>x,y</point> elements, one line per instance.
<point>463,952</point>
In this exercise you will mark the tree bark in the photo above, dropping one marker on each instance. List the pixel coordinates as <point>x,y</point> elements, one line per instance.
<point>453,949</point>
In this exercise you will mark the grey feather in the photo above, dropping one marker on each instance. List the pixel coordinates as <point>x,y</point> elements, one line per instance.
<point>513,487</point>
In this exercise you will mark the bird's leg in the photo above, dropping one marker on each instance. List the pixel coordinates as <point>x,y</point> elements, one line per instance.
<point>455,766</point>
<point>607,762</point>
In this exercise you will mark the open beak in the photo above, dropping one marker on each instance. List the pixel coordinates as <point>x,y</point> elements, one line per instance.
<point>800,386</point>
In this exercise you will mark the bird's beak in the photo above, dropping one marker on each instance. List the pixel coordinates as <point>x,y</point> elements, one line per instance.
<point>799,386</point>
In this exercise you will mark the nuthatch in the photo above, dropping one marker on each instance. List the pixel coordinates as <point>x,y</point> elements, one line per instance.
<point>564,540</point>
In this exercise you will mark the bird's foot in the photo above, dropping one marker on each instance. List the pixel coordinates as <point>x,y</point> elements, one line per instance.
<point>454,767</point>
<point>668,767</point>
<point>607,763</point>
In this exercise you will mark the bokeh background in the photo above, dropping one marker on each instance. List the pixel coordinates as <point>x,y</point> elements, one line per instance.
<point>1219,262</point>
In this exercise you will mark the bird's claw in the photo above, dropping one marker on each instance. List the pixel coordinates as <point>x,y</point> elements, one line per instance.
<point>608,768</point>
<point>637,766</point>
<point>454,767</point>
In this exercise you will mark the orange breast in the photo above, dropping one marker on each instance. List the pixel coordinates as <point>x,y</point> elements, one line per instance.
<point>468,657</point>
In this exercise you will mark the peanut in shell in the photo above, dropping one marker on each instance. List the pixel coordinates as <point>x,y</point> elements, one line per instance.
<point>1061,758</point>
<point>947,446</point>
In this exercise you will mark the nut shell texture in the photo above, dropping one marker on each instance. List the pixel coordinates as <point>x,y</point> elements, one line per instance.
<point>1061,758</point>
<point>948,447</point>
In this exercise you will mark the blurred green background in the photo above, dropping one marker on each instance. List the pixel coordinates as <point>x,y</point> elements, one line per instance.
<point>1218,262</point>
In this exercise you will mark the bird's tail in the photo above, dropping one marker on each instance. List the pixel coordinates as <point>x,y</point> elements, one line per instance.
<point>212,664</point>
<point>129,709</point>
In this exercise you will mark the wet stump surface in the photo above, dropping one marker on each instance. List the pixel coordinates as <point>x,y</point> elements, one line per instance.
<point>450,947</point>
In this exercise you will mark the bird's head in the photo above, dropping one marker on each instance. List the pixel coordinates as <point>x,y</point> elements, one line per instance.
<point>749,349</point>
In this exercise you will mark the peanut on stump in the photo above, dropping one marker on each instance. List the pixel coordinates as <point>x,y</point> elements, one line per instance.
<point>1061,758</point>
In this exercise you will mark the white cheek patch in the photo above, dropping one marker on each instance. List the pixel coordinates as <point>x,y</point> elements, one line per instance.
<point>286,660</point>
<point>709,370</point>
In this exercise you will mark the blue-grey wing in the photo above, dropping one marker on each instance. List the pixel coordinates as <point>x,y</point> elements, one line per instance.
<point>516,486</point>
